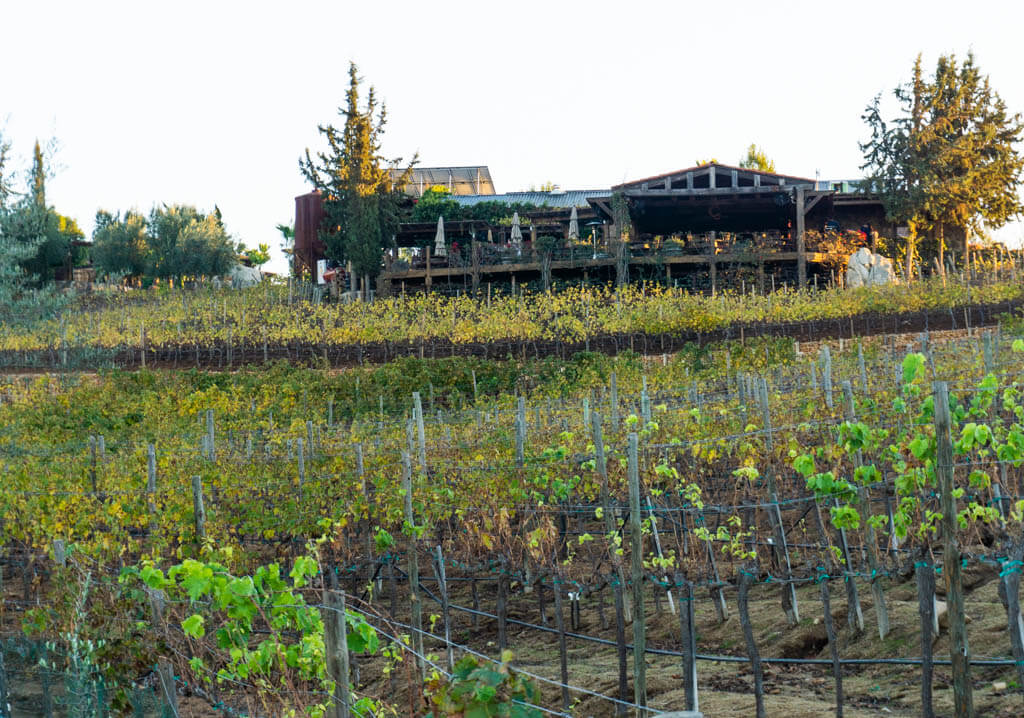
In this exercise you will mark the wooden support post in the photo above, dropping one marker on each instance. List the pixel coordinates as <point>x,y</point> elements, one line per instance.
<point>826,375</point>
<point>713,273</point>
<point>688,636</point>
<point>336,648</point>
<point>199,512</point>
<point>1010,578</point>
<point>414,567</point>
<point>563,657</point>
<point>657,547</point>
<point>502,610</point>
<point>417,412</point>
<point>92,463</point>
<point>833,645</point>
<point>60,556</point>
<point>619,581</point>
<point>854,613</point>
<point>474,250</point>
<point>877,592</point>
<point>609,515</point>
<point>151,483</point>
<point>745,579</point>
<point>862,368</point>
<point>717,594</point>
<point>442,583</point>
<point>302,466</point>
<point>789,604</point>
<point>801,246</point>
<point>211,446</point>
<point>5,698</point>
<point>637,556</point>
<point>520,432</point>
<point>926,608</point>
<point>165,672</point>
<point>960,653</point>
<point>428,280</point>
<point>614,399</point>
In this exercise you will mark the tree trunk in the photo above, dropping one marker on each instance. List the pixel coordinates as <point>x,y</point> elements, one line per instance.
<point>942,248</point>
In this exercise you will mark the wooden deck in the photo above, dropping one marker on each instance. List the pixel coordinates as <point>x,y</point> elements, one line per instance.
<point>582,264</point>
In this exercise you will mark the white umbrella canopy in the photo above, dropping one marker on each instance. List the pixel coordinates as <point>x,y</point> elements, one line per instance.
<point>440,250</point>
<point>517,233</point>
<point>574,225</point>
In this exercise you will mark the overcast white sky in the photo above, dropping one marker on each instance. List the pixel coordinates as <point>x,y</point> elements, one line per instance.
<point>213,102</point>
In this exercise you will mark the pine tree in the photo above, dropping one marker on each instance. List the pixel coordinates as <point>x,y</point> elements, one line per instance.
<point>949,158</point>
<point>361,205</point>
<point>756,159</point>
<point>974,168</point>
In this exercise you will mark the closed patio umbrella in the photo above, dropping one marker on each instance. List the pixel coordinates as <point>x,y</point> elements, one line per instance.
<point>574,225</point>
<point>517,234</point>
<point>440,250</point>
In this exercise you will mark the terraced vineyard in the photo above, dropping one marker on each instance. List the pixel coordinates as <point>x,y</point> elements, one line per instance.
<point>218,329</point>
<point>763,524</point>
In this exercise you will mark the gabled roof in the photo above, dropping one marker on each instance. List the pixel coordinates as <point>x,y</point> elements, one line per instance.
<point>474,179</point>
<point>713,176</point>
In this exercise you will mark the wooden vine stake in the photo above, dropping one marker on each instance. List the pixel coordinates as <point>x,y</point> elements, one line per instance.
<point>336,647</point>
<point>520,431</point>
<point>151,483</point>
<point>210,446</point>
<point>563,657</point>
<point>746,578</point>
<point>619,581</point>
<point>833,645</point>
<point>609,516</point>
<point>614,399</point>
<point>688,633</point>
<point>442,583</point>
<point>877,592</point>
<point>779,544</point>
<point>1010,593</point>
<point>420,431</point>
<point>826,374</point>
<point>198,510</point>
<point>414,568</point>
<point>926,608</point>
<point>637,556</point>
<point>960,655</point>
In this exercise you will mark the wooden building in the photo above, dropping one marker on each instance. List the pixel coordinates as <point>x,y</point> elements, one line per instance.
<point>702,228</point>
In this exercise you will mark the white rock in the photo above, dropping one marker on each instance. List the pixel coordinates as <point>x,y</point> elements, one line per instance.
<point>242,276</point>
<point>864,268</point>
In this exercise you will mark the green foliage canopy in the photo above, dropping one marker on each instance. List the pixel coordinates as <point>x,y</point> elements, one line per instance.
<point>949,158</point>
<point>438,202</point>
<point>174,241</point>
<point>362,208</point>
<point>756,159</point>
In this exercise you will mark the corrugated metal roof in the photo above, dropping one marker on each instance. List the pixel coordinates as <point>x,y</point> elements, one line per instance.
<point>559,198</point>
<point>459,180</point>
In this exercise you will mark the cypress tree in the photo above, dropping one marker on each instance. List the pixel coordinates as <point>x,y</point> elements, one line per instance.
<point>361,204</point>
<point>38,178</point>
